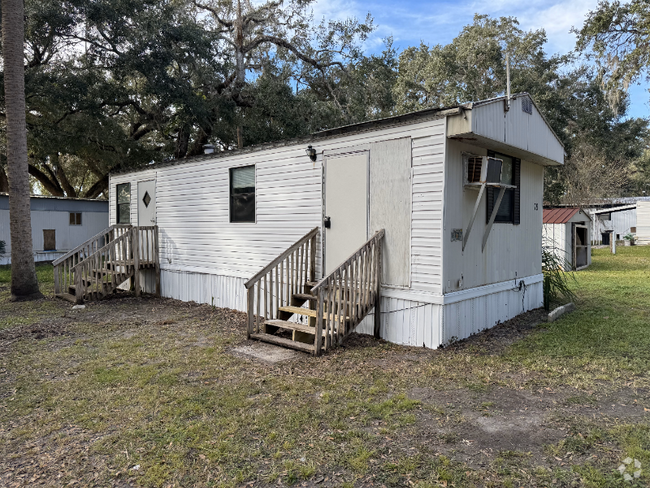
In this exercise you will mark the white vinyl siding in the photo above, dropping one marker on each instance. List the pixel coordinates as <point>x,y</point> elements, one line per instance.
<point>643,222</point>
<point>426,224</point>
<point>512,251</point>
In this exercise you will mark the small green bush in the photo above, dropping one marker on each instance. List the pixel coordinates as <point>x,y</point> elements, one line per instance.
<point>556,278</point>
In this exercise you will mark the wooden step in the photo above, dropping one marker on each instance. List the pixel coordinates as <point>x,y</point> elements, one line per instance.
<point>291,326</point>
<point>67,296</point>
<point>306,311</point>
<point>304,297</point>
<point>281,341</point>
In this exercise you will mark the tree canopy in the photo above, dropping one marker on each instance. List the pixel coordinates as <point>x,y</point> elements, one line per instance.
<point>119,83</point>
<point>617,36</point>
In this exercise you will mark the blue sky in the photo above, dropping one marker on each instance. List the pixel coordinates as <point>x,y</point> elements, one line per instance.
<point>439,21</point>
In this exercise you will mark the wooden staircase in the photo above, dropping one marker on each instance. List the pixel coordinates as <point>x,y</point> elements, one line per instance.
<point>100,265</point>
<point>287,307</point>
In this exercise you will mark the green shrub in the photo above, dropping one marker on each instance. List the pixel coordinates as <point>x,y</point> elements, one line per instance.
<point>556,278</point>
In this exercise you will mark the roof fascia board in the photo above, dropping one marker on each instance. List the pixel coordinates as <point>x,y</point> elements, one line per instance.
<point>477,140</point>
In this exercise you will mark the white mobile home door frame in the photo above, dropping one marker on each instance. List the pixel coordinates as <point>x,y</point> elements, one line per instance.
<point>146,203</point>
<point>346,205</point>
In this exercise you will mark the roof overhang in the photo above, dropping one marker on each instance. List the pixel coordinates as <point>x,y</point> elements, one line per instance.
<point>614,209</point>
<point>516,128</point>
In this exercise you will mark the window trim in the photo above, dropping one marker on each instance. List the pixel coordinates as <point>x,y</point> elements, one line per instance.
<point>73,220</point>
<point>230,195</point>
<point>516,193</point>
<point>118,204</point>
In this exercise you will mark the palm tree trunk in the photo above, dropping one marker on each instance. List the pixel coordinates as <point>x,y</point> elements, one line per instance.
<point>24,284</point>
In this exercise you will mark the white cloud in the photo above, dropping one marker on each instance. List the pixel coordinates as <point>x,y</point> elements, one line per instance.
<point>439,22</point>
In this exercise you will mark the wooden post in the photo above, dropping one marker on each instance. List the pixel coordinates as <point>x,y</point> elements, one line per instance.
<point>57,285</point>
<point>378,265</point>
<point>318,340</point>
<point>312,260</point>
<point>135,246</point>
<point>78,291</point>
<point>156,259</point>
<point>251,300</point>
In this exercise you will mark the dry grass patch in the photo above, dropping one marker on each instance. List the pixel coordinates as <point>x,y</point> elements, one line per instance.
<point>146,392</point>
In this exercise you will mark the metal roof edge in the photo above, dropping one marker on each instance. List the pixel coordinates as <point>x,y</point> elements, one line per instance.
<point>52,197</point>
<point>408,118</point>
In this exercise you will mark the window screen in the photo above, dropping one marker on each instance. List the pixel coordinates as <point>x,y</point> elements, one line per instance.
<point>242,194</point>
<point>75,218</point>
<point>124,203</point>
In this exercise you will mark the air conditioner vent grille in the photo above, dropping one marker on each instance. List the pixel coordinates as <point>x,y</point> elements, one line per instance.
<point>474,166</point>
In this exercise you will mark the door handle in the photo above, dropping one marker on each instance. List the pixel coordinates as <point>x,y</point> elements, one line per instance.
<point>327,222</point>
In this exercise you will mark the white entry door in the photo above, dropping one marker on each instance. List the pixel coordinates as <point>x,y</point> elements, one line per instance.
<point>146,203</point>
<point>346,206</point>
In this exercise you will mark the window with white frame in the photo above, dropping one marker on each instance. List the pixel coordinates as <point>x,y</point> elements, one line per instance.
<point>123,203</point>
<point>242,194</point>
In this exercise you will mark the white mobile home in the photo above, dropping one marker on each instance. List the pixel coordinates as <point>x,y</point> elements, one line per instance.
<point>643,222</point>
<point>58,224</point>
<point>612,223</point>
<point>455,260</point>
<point>568,232</point>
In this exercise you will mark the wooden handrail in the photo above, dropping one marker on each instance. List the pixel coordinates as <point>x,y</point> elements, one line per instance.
<point>113,243</point>
<point>89,269</point>
<point>378,235</point>
<point>280,258</point>
<point>275,287</point>
<point>347,294</point>
<point>88,241</point>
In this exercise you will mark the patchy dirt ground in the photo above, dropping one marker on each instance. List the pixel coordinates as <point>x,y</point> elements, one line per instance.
<point>156,392</point>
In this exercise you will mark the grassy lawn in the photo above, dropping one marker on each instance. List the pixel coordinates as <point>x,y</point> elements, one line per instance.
<point>147,392</point>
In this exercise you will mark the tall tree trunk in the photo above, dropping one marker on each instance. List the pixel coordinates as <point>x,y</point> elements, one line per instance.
<point>24,284</point>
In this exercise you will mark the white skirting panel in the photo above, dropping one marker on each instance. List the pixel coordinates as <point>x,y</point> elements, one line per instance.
<point>217,290</point>
<point>406,322</point>
<point>467,317</point>
<point>414,323</point>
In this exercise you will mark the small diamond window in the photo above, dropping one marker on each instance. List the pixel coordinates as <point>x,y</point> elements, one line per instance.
<point>146,199</point>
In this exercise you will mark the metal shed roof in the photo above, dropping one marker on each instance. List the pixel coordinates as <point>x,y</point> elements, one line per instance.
<point>559,215</point>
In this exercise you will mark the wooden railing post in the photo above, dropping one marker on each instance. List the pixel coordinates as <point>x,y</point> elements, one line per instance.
<point>78,280</point>
<point>312,259</point>
<point>57,285</point>
<point>378,273</point>
<point>156,258</point>
<point>251,299</point>
<point>318,340</point>
<point>135,247</point>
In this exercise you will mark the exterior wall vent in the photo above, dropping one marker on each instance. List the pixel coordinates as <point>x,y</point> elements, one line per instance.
<point>527,105</point>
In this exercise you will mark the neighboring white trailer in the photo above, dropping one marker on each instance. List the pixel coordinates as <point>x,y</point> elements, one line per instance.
<point>58,224</point>
<point>224,216</point>
<point>643,222</point>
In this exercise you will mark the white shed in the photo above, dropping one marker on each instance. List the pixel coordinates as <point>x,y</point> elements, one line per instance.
<point>568,232</point>
<point>643,222</point>
<point>454,260</point>
<point>58,224</point>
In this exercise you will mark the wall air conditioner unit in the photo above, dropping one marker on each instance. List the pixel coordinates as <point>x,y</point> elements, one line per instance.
<point>480,170</point>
